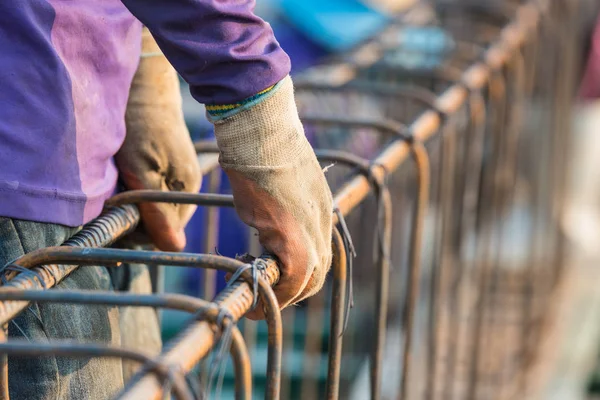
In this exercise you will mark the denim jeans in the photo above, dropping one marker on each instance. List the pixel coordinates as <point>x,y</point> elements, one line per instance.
<point>53,377</point>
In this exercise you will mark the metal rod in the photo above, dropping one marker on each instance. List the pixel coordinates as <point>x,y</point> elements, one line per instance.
<point>428,123</point>
<point>115,223</point>
<point>25,348</point>
<point>211,233</point>
<point>443,263</point>
<point>167,300</point>
<point>206,146</point>
<point>211,236</point>
<point>288,317</point>
<point>383,265</point>
<point>231,297</point>
<point>158,196</point>
<point>197,339</point>
<point>512,135</point>
<point>241,366</point>
<point>423,128</point>
<point>336,323</point>
<point>467,223</point>
<point>251,327</point>
<point>313,342</point>
<point>491,197</point>
<point>416,237</point>
<point>382,292</point>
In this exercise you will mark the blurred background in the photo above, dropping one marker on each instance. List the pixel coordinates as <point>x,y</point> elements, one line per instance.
<point>432,45</point>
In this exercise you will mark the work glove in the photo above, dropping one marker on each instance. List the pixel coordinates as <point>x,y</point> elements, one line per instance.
<point>278,188</point>
<point>158,152</point>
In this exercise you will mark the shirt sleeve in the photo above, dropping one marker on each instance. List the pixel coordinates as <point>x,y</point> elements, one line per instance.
<point>224,51</point>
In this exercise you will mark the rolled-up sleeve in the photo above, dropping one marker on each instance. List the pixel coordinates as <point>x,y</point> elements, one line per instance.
<point>224,51</point>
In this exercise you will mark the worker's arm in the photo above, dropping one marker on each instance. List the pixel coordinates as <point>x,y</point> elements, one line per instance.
<point>219,47</point>
<point>235,66</point>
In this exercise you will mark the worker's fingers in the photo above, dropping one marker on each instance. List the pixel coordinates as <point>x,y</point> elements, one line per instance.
<point>298,245</point>
<point>163,225</point>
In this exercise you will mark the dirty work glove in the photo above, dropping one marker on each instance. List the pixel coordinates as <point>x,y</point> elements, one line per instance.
<point>278,187</point>
<point>158,152</point>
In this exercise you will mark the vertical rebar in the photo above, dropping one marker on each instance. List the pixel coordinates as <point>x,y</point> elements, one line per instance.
<point>288,317</point>
<point>313,344</point>
<point>421,158</point>
<point>382,290</point>
<point>338,299</point>
<point>211,235</point>
<point>490,197</point>
<point>443,263</point>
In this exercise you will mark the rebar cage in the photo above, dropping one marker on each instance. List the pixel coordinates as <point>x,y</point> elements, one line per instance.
<point>445,140</point>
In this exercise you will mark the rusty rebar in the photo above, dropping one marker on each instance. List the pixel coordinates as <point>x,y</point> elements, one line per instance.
<point>234,298</point>
<point>383,248</point>
<point>115,223</point>
<point>492,199</point>
<point>211,233</point>
<point>198,337</point>
<point>158,196</point>
<point>424,127</point>
<point>466,223</point>
<point>211,236</point>
<point>336,322</point>
<point>170,301</point>
<point>25,348</point>
<point>242,366</point>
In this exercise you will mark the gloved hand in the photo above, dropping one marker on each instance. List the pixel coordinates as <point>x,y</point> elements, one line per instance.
<point>158,152</point>
<point>279,189</point>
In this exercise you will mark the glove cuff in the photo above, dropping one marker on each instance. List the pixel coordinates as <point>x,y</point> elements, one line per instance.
<point>267,134</point>
<point>217,112</point>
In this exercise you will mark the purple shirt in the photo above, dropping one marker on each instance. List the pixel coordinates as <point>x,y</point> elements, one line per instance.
<point>65,71</point>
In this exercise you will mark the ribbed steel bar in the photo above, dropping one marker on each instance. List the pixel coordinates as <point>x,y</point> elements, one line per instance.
<point>170,301</point>
<point>491,198</point>
<point>211,236</point>
<point>236,299</point>
<point>336,324</point>
<point>25,348</point>
<point>427,124</point>
<point>466,224</point>
<point>442,263</point>
<point>199,336</point>
<point>211,233</point>
<point>115,223</point>
<point>241,358</point>
<point>507,180</point>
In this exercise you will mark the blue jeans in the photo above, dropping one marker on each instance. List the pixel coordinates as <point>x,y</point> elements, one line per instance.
<point>52,377</point>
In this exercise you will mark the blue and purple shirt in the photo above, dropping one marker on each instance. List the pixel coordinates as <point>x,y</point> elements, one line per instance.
<point>66,67</point>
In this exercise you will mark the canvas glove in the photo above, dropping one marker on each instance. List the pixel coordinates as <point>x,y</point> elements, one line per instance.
<point>158,152</point>
<point>278,188</point>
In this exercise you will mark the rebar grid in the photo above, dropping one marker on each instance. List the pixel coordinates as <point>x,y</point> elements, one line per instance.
<point>432,160</point>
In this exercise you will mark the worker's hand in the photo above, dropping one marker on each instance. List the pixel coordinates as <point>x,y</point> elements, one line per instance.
<point>158,152</point>
<point>279,189</point>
